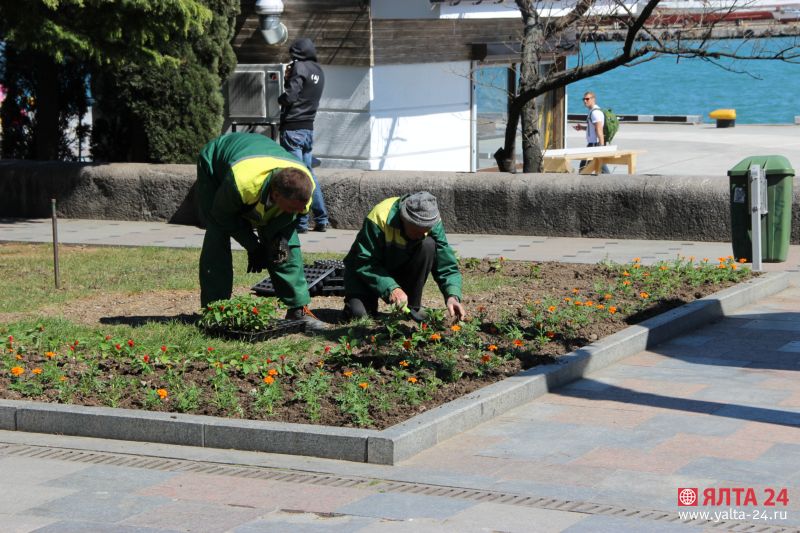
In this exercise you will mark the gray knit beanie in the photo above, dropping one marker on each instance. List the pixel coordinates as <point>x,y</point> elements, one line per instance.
<point>420,209</point>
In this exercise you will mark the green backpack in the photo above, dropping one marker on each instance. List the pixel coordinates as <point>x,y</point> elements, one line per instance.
<point>610,126</point>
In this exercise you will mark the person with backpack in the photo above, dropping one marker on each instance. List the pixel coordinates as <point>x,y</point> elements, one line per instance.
<point>304,83</point>
<point>595,122</point>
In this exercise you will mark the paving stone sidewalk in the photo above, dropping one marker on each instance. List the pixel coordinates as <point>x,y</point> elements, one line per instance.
<point>717,408</point>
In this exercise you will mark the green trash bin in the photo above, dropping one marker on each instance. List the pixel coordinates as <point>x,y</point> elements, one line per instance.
<point>777,228</point>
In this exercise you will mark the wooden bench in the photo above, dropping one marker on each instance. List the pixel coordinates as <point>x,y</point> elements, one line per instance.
<point>561,160</point>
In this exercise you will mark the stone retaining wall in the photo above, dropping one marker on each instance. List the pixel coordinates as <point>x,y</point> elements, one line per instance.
<point>692,208</point>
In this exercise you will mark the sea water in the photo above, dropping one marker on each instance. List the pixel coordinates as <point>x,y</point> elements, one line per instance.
<point>761,92</point>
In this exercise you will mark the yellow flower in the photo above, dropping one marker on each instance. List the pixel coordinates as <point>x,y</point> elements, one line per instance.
<point>162,393</point>
<point>17,370</point>
<point>363,385</point>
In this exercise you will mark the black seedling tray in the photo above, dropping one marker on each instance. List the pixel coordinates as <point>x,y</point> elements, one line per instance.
<point>275,329</point>
<point>314,275</point>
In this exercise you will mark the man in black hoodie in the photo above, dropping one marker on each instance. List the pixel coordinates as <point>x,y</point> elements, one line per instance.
<point>303,88</point>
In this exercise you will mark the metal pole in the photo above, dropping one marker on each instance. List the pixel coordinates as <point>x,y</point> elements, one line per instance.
<point>55,242</point>
<point>755,214</point>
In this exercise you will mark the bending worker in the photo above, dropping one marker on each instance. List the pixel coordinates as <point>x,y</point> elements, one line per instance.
<point>401,241</point>
<point>246,181</point>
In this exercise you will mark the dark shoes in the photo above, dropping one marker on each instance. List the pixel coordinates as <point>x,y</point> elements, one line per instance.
<point>305,315</point>
<point>301,230</point>
<point>322,228</point>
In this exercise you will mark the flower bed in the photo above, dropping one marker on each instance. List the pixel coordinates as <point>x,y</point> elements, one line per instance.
<point>367,373</point>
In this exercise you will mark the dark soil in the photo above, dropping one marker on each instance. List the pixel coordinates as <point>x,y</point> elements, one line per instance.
<point>495,307</point>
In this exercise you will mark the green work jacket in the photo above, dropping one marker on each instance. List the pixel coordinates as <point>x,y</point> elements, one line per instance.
<point>234,173</point>
<point>381,246</point>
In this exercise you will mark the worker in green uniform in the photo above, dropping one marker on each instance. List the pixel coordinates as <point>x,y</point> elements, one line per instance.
<point>401,242</point>
<point>251,189</point>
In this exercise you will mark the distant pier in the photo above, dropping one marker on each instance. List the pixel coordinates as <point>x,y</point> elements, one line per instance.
<point>738,30</point>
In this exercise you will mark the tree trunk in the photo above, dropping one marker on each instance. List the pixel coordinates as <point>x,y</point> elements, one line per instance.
<point>46,130</point>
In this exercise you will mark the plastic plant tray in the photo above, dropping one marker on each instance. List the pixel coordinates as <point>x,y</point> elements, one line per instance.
<point>314,275</point>
<point>275,329</point>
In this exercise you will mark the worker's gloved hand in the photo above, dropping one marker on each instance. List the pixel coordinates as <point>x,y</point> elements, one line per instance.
<point>257,259</point>
<point>278,250</point>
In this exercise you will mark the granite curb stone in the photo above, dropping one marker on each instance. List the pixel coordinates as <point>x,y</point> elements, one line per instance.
<point>398,442</point>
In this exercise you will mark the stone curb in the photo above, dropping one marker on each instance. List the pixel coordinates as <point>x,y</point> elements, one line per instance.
<point>398,442</point>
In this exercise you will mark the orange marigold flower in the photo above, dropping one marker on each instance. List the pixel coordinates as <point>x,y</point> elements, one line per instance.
<point>637,259</point>
<point>407,344</point>
<point>363,384</point>
<point>18,357</point>
<point>255,310</point>
<point>269,380</point>
<point>588,303</point>
<point>663,267</point>
<point>50,355</point>
<point>518,343</point>
<point>219,364</point>
<point>320,364</point>
<point>486,358</point>
<point>436,337</point>
<point>637,265</point>
<point>644,295</point>
<point>606,296</point>
<point>578,303</point>
<point>600,306</point>
<point>455,327</point>
<point>537,302</point>
<point>646,274</point>
<point>492,348</point>
<point>162,393</point>
<point>403,363</point>
<point>575,291</point>
<point>17,370</point>
<point>721,259</point>
<point>348,373</point>
<point>481,308</point>
<point>612,309</point>
<point>272,372</point>
<point>37,371</point>
<point>412,379</point>
<point>108,337</point>
<point>552,308</point>
<point>62,378</point>
<point>549,334</point>
<point>722,266</point>
<point>626,273</point>
<point>245,357</point>
<point>743,260</point>
<point>567,299</point>
<point>626,282</point>
<point>734,266</point>
<point>423,326</point>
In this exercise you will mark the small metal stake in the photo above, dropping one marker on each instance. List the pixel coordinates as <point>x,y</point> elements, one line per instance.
<point>55,242</point>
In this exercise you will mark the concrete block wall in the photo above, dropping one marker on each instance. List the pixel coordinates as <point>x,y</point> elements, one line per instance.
<point>692,208</point>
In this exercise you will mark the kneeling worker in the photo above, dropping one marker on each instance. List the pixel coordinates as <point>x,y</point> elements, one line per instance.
<point>401,241</point>
<point>247,181</point>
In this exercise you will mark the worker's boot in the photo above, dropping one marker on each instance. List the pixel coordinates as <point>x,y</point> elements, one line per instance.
<point>305,315</point>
